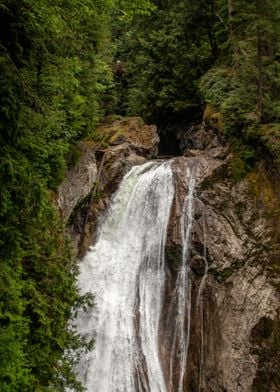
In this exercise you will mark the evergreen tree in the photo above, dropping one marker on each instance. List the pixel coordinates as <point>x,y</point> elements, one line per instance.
<point>166,54</point>
<point>55,70</point>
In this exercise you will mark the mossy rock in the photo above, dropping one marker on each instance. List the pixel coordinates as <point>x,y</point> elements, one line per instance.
<point>208,112</point>
<point>216,121</point>
<point>173,256</point>
<point>270,137</point>
<point>265,339</point>
<point>213,118</point>
<point>117,137</point>
<point>265,192</point>
<point>238,168</point>
<point>224,274</point>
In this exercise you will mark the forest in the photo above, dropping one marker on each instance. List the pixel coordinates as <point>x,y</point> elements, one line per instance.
<point>65,65</point>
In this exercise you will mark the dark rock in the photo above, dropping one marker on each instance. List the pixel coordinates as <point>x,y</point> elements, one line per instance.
<point>240,297</point>
<point>200,137</point>
<point>129,142</point>
<point>198,265</point>
<point>235,234</point>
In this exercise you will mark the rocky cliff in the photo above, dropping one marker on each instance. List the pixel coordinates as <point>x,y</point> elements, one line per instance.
<point>234,331</point>
<point>235,307</point>
<point>85,193</point>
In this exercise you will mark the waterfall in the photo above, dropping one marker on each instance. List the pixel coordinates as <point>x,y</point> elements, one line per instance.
<point>199,306</point>
<point>125,273</point>
<point>181,335</point>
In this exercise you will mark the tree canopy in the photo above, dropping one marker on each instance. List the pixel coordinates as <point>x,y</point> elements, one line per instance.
<point>55,71</point>
<point>189,53</point>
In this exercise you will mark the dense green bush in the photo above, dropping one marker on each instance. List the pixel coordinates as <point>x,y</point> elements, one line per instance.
<point>189,53</point>
<point>164,56</point>
<point>244,84</point>
<point>55,71</point>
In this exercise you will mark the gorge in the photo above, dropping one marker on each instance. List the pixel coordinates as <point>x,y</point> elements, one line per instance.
<point>185,298</point>
<point>139,257</point>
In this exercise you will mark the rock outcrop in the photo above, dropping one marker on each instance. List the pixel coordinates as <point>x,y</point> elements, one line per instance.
<point>236,234</point>
<point>78,182</point>
<point>85,193</point>
<point>234,329</point>
<point>142,139</point>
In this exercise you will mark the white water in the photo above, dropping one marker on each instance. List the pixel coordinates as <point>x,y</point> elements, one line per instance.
<point>125,273</point>
<point>181,335</point>
<point>199,305</point>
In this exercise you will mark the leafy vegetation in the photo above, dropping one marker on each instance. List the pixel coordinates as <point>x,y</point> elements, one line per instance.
<point>55,72</point>
<point>224,53</point>
<point>57,80</point>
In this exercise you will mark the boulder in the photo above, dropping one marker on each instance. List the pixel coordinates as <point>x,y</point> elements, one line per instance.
<point>86,191</point>
<point>78,181</point>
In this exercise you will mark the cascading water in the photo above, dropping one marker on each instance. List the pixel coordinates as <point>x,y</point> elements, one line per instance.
<point>182,297</point>
<point>125,273</point>
<point>199,306</point>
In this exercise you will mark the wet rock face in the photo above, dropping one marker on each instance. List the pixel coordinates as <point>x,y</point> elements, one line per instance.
<point>200,137</point>
<point>85,193</point>
<point>78,182</point>
<point>234,327</point>
<point>233,233</point>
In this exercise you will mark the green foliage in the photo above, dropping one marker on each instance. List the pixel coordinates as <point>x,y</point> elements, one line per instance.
<point>189,53</point>
<point>269,135</point>
<point>56,82</point>
<point>244,85</point>
<point>55,74</point>
<point>37,279</point>
<point>135,7</point>
<point>243,160</point>
<point>164,56</point>
<point>214,85</point>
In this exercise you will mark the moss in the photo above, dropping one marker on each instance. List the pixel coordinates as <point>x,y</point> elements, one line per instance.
<point>140,122</point>
<point>265,193</point>
<point>276,267</point>
<point>173,255</point>
<point>221,276</point>
<point>111,119</point>
<point>270,137</point>
<point>119,133</point>
<point>213,118</point>
<point>265,339</point>
<point>208,112</point>
<point>243,159</point>
<point>216,121</point>
<point>74,156</point>
<point>108,133</point>
<point>238,168</point>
